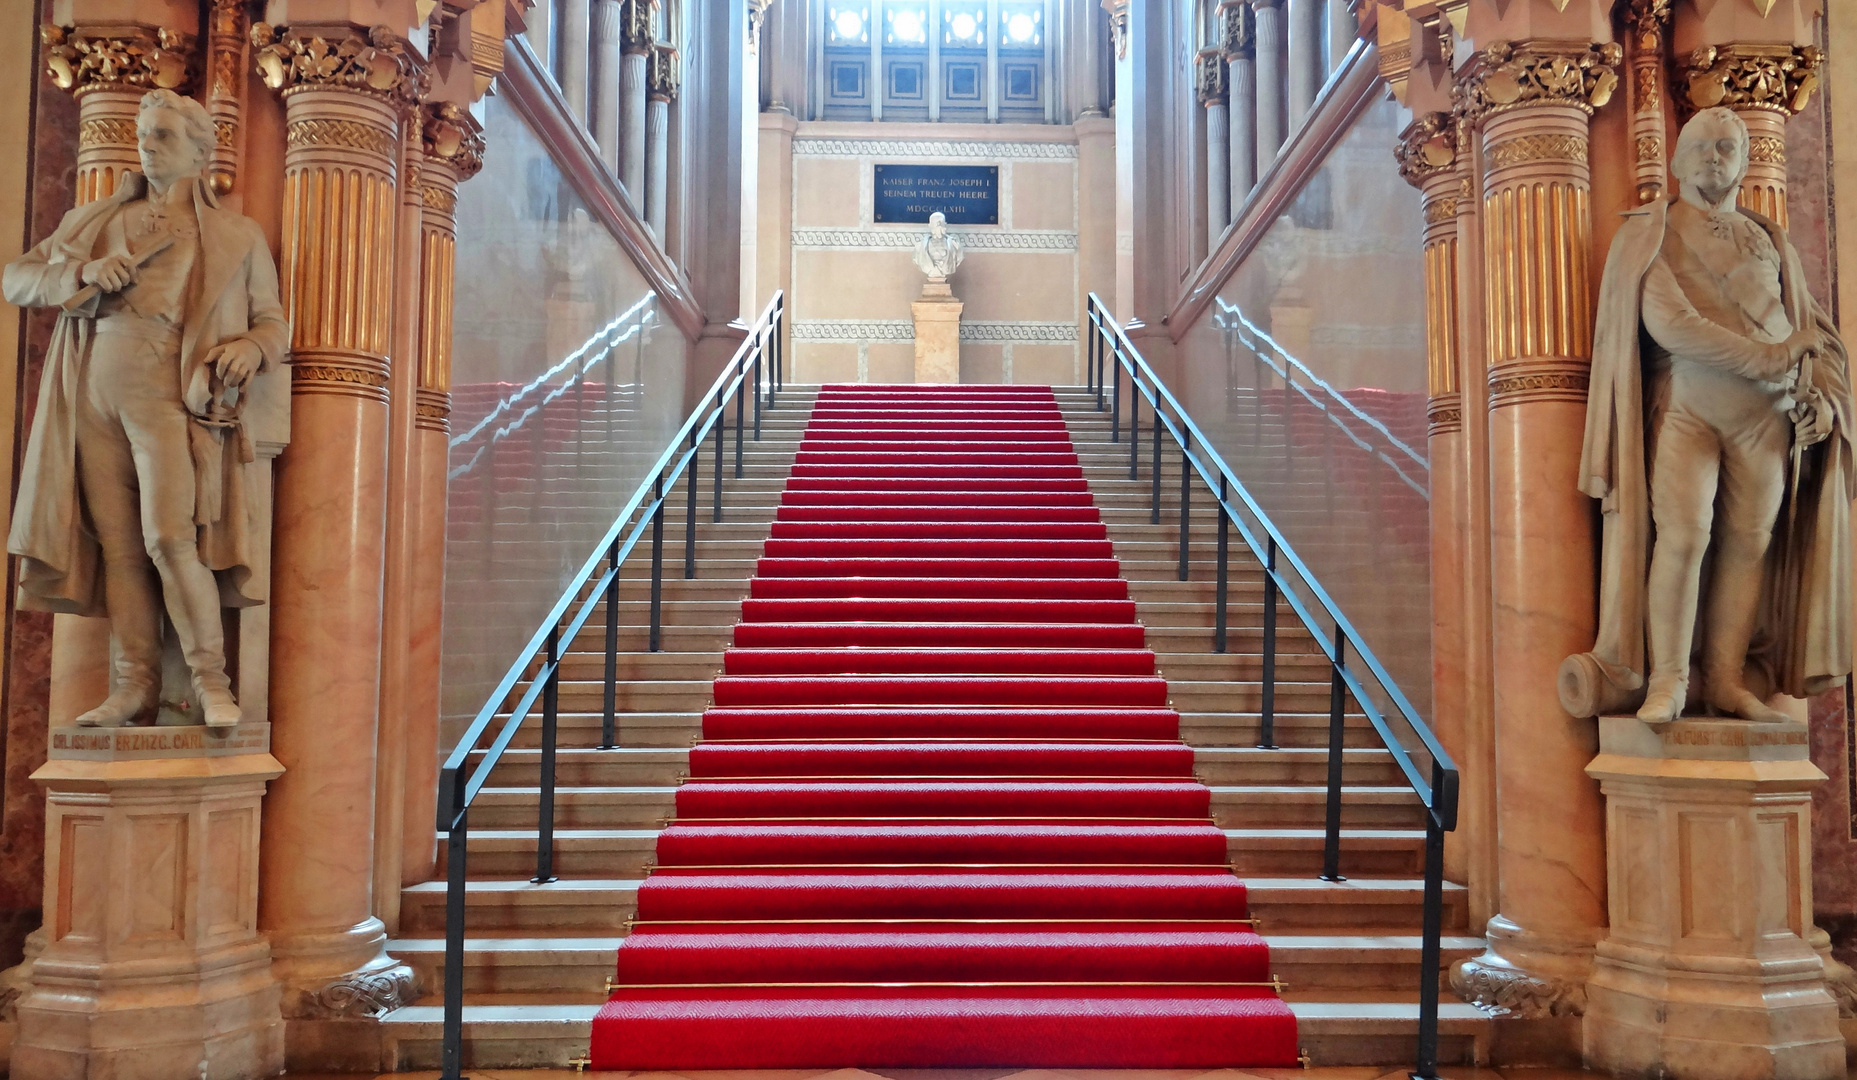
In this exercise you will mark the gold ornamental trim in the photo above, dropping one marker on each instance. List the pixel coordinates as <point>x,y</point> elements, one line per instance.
<point>1440,210</point>
<point>1776,77</point>
<point>1542,72</point>
<point>1209,83</point>
<point>342,135</point>
<point>1237,30</point>
<point>106,131</point>
<point>663,73</point>
<point>1444,414</point>
<point>337,375</point>
<point>438,197</point>
<point>431,411</point>
<point>1766,150</point>
<point>449,132</point>
<point>1427,147</point>
<point>1650,148</point>
<point>1527,148</point>
<point>638,24</point>
<point>81,60</point>
<point>1516,384</point>
<point>380,63</point>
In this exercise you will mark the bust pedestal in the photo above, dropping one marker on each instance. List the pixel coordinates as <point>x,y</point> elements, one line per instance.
<point>1706,973</point>
<point>153,967</point>
<point>938,333</point>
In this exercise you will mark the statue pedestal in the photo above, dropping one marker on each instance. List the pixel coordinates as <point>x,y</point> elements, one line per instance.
<point>1706,973</point>
<point>153,967</point>
<point>938,334</point>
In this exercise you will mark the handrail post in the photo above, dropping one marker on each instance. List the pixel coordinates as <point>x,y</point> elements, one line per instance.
<point>689,519</point>
<point>1154,468</point>
<point>776,381</point>
<point>1186,496</point>
<point>545,815</point>
<point>1430,946</point>
<point>457,838</point>
<point>609,714</point>
<point>657,565</point>
<point>741,388</point>
<point>1267,725</point>
<point>1115,386</point>
<point>758,346</point>
<point>1134,427</point>
<point>1337,697</point>
<point>721,422</point>
<point>1218,614</point>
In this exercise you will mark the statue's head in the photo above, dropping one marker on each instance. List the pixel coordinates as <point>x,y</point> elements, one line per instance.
<point>938,224</point>
<point>1711,154</point>
<point>173,137</point>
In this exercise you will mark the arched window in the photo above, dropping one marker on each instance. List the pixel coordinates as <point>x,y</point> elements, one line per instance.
<point>942,60</point>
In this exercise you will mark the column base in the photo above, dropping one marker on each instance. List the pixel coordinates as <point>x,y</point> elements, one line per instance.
<point>1707,972</point>
<point>153,967</point>
<point>336,987</point>
<point>938,334</point>
<point>1525,975</point>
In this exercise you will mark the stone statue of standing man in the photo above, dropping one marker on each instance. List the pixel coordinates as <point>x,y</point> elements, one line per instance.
<point>1718,441</point>
<point>132,498</point>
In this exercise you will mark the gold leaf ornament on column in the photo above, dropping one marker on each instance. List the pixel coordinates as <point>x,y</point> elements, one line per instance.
<point>1777,77</point>
<point>1519,73</point>
<point>379,63</point>
<point>78,60</point>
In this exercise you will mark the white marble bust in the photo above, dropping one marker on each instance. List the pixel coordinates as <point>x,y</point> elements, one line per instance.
<point>938,253</point>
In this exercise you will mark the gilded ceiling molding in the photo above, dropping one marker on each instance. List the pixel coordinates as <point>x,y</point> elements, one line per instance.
<point>1777,78</point>
<point>1209,81</point>
<point>379,63</point>
<point>82,60</point>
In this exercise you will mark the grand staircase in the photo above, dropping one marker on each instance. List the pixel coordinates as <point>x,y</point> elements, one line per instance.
<point>538,956</point>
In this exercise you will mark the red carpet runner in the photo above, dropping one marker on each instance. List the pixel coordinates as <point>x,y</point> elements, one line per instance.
<point>941,815</point>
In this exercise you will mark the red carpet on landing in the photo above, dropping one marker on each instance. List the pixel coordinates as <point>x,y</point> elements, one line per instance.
<point>941,815</point>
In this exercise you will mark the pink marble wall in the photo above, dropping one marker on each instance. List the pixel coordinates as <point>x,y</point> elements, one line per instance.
<point>1834,825</point>
<point>1808,198</point>
<point>25,679</point>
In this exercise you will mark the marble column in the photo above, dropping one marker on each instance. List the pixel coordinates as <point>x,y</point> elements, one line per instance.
<point>1537,243</point>
<point>661,76</point>
<point>1268,16</point>
<point>639,37</point>
<point>1764,84</point>
<point>1306,71</point>
<point>1209,75</point>
<point>341,165</point>
<point>538,31</point>
<point>1343,30</point>
<point>608,71</point>
<point>1427,156</point>
<point>1241,95</point>
<point>1125,109</point>
<point>454,151</point>
<point>571,65</point>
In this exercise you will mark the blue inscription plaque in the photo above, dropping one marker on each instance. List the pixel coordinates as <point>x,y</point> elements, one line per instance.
<point>908,194</point>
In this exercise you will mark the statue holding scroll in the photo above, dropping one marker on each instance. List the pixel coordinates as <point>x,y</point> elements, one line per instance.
<point>132,498</point>
<point>1718,442</point>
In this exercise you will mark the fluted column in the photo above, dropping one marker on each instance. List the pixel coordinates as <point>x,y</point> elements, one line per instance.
<point>1343,29</point>
<point>1764,84</point>
<point>1427,156</point>
<point>1534,101</point>
<point>1650,158</point>
<point>454,151</point>
<point>1209,75</point>
<point>639,37</point>
<point>571,65</point>
<point>345,99</point>
<point>662,77</point>
<point>608,68</point>
<point>1240,44</point>
<point>1306,72</point>
<point>1268,16</point>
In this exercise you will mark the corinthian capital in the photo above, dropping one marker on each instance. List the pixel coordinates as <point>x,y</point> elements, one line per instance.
<point>1427,147</point>
<point>1542,72</point>
<point>449,132</point>
<point>662,73</point>
<point>1776,77</point>
<point>380,62</point>
<point>1209,77</point>
<point>133,59</point>
<point>638,24</point>
<point>1238,30</point>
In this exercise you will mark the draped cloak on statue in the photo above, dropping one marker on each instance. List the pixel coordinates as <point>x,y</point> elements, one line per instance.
<point>1802,642</point>
<point>231,293</point>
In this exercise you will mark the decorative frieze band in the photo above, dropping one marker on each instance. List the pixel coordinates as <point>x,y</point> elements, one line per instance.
<point>926,148</point>
<point>1527,148</point>
<point>902,331</point>
<point>1444,414</point>
<point>342,134</point>
<point>905,239</point>
<point>326,378</point>
<point>432,410</point>
<point>1535,380</point>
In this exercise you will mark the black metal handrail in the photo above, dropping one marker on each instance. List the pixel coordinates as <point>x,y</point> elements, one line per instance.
<point>1438,792</point>
<point>755,366</point>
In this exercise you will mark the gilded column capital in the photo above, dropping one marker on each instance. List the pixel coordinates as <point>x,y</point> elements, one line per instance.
<point>1647,20</point>
<point>1777,78</point>
<point>1237,30</point>
<point>1118,26</point>
<point>663,73</point>
<point>638,24</point>
<point>449,133</point>
<point>1427,147</point>
<point>379,63</point>
<point>1209,81</point>
<point>1509,75</point>
<point>83,59</point>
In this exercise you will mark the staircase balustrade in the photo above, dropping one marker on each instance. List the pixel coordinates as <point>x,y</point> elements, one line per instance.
<point>1111,355</point>
<point>755,371</point>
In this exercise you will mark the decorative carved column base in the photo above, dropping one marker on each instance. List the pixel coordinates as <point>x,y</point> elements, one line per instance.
<point>153,967</point>
<point>1524,975</point>
<point>938,334</point>
<point>1707,973</point>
